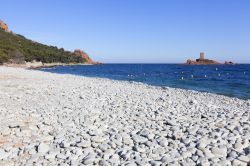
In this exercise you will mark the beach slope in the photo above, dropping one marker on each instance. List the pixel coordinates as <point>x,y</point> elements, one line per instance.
<point>50,118</point>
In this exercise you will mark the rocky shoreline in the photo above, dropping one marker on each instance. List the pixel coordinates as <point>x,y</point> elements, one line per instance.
<point>39,65</point>
<point>51,119</point>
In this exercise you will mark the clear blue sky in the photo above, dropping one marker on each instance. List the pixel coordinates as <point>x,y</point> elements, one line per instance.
<point>164,31</point>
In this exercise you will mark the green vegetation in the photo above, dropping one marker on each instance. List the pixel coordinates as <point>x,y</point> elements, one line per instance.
<point>17,49</point>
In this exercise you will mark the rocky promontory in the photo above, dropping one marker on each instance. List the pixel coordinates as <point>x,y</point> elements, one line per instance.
<point>4,26</point>
<point>18,50</point>
<point>84,55</point>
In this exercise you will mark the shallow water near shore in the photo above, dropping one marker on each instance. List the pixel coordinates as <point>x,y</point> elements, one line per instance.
<point>229,80</point>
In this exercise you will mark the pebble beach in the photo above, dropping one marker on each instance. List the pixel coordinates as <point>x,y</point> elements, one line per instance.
<point>61,119</point>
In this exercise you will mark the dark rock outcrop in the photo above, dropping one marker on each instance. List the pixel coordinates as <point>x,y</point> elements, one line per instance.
<point>229,63</point>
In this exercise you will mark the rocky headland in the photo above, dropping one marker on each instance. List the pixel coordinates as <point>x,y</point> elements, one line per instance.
<point>52,119</point>
<point>4,26</point>
<point>85,56</point>
<point>16,50</point>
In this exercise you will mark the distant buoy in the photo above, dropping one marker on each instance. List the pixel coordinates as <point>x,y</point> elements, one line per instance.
<point>216,69</point>
<point>182,78</point>
<point>192,76</point>
<point>219,74</point>
<point>244,72</point>
<point>205,76</point>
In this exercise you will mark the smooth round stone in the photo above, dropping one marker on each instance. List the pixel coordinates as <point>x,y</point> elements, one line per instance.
<point>203,143</point>
<point>115,156</point>
<point>186,154</point>
<point>89,160</point>
<point>112,144</point>
<point>131,163</point>
<point>74,162</point>
<point>163,142</point>
<point>65,144</point>
<point>7,147</point>
<point>144,133</point>
<point>63,164</point>
<point>166,159</point>
<point>200,153</point>
<point>106,156</point>
<point>43,148</point>
<point>237,162</point>
<point>192,150</point>
<point>178,135</point>
<point>117,142</point>
<point>84,144</point>
<point>103,163</point>
<point>175,154</point>
<point>32,151</point>
<point>103,147</point>
<point>97,139</point>
<point>61,156</point>
<point>127,141</point>
<point>3,154</point>
<point>186,141</point>
<point>231,127</point>
<point>224,162</point>
<point>205,163</point>
<point>139,149</point>
<point>190,162</point>
<point>244,158</point>
<point>115,159</point>
<point>219,151</point>
<point>208,153</point>
<point>194,158</point>
<point>50,156</point>
<point>155,163</point>
<point>94,132</point>
<point>150,136</point>
<point>233,154</point>
<point>139,139</point>
<point>238,146</point>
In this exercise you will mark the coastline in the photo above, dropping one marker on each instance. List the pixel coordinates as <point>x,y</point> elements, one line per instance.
<point>38,65</point>
<point>61,118</point>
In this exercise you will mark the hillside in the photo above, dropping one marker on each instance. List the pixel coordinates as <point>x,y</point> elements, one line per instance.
<point>16,48</point>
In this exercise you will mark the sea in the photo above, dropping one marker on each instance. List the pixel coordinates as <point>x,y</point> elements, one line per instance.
<point>228,80</point>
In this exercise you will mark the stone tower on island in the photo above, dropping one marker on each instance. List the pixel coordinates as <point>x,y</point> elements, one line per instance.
<point>201,60</point>
<point>202,56</point>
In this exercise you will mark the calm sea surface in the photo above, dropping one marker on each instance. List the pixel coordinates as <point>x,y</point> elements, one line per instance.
<point>229,80</point>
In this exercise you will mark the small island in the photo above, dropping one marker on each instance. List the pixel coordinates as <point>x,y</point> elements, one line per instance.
<point>203,61</point>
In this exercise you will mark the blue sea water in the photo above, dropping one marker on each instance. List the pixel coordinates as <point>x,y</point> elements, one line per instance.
<point>229,80</point>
